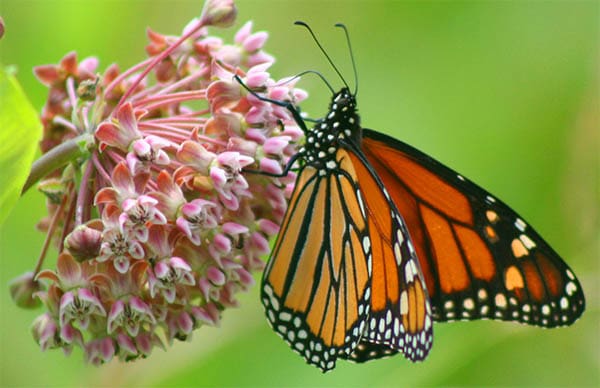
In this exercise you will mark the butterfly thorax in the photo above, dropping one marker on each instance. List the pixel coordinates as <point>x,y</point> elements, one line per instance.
<point>341,124</point>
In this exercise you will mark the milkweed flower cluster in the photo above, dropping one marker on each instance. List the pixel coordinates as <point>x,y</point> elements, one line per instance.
<point>157,220</point>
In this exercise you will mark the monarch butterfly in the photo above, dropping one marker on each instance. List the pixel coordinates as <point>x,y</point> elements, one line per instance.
<point>380,240</point>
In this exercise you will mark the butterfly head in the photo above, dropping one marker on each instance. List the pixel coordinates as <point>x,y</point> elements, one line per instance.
<point>341,123</point>
<point>343,113</point>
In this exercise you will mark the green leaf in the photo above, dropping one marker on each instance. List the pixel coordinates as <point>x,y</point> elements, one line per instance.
<point>20,130</point>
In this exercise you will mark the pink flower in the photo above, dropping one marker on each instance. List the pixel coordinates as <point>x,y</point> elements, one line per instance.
<point>51,75</point>
<point>69,273</point>
<point>197,218</point>
<point>123,187</point>
<point>253,43</point>
<point>122,130</point>
<point>160,223</point>
<point>167,275</point>
<point>119,247</point>
<point>208,314</point>
<point>196,161</point>
<point>146,152</point>
<point>169,195</point>
<point>224,94</point>
<point>138,215</point>
<point>129,315</point>
<point>227,179</point>
<point>179,325</point>
<point>99,351</point>
<point>258,77</point>
<point>46,332</point>
<point>79,306</point>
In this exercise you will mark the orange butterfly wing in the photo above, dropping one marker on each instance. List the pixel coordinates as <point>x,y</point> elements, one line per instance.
<point>479,258</point>
<point>342,273</point>
<point>400,318</point>
<point>315,287</point>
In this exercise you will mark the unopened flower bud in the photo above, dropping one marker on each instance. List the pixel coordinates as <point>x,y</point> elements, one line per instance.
<point>22,290</point>
<point>87,89</point>
<point>218,13</point>
<point>84,242</point>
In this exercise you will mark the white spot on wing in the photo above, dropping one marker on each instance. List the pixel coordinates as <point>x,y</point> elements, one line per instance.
<point>500,301</point>
<point>468,304</point>
<point>366,244</point>
<point>520,224</point>
<point>285,316</point>
<point>570,288</point>
<point>403,303</point>
<point>397,254</point>
<point>482,294</point>
<point>546,309</point>
<point>529,244</point>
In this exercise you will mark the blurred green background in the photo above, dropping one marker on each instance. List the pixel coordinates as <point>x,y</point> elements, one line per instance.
<point>504,92</point>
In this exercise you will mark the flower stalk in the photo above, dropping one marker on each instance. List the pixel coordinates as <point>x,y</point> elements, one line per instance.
<point>57,158</point>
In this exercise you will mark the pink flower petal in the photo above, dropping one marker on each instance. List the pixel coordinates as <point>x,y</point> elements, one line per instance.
<point>69,62</point>
<point>138,305</point>
<point>87,296</point>
<point>233,228</point>
<point>121,264</point>
<point>245,278</point>
<point>218,176</point>
<point>169,294</point>
<point>258,79</point>
<point>126,344</point>
<point>46,74</point>
<point>255,41</point>
<point>222,243</point>
<point>216,276</point>
<point>135,250</point>
<point>116,310</point>
<point>243,32</point>
<point>179,263</point>
<point>161,269</point>
<point>268,227</point>
<point>260,243</point>
<point>185,323</point>
<point>126,117</point>
<point>270,166</point>
<point>107,349</point>
<point>68,269</point>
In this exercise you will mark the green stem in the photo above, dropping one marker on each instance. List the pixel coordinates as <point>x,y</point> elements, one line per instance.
<point>57,157</point>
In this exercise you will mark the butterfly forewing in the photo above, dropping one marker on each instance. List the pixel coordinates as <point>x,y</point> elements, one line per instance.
<point>479,258</point>
<point>316,285</point>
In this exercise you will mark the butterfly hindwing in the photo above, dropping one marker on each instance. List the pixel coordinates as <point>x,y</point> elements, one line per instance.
<point>400,317</point>
<point>479,258</point>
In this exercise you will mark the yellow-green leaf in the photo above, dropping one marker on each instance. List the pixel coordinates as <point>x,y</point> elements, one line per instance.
<point>20,130</point>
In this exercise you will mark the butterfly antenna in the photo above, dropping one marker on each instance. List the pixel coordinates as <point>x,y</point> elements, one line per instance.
<point>300,23</point>
<point>342,26</point>
<point>310,72</point>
